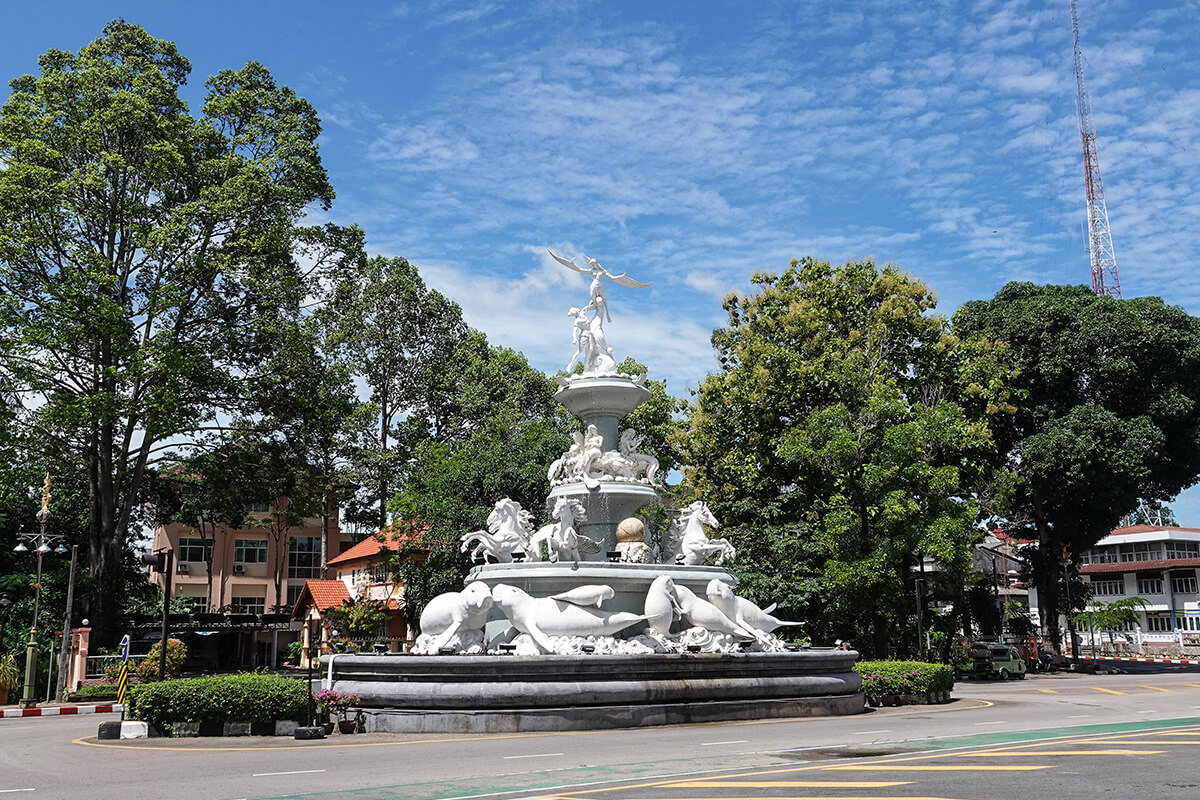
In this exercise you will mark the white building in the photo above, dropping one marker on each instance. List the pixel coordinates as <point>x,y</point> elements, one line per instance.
<point>1157,564</point>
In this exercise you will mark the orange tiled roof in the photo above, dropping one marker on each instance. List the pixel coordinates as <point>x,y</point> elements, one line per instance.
<point>322,593</point>
<point>390,538</point>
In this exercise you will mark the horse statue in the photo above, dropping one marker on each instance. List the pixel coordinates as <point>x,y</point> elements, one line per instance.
<point>509,529</point>
<point>561,539</point>
<point>695,547</point>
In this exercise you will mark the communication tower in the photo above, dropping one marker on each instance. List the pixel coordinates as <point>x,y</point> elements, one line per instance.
<point>1100,246</point>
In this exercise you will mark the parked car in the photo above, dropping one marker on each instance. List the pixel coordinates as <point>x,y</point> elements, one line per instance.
<point>992,661</point>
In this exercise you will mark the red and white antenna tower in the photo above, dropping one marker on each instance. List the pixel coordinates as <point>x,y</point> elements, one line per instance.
<point>1100,246</point>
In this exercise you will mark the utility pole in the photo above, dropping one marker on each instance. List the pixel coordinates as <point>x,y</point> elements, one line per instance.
<point>1100,246</point>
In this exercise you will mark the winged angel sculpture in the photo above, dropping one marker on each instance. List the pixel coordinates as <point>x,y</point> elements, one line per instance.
<point>599,301</point>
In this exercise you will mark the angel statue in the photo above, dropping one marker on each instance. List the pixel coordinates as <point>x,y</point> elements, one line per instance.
<point>598,301</point>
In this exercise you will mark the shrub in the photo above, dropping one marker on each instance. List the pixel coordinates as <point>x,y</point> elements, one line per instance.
<point>96,690</point>
<point>904,677</point>
<point>335,702</point>
<point>147,670</point>
<point>248,697</point>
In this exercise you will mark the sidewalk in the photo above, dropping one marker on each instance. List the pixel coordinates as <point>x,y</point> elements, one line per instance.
<point>53,710</point>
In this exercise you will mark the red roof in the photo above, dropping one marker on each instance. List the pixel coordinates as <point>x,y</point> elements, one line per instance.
<point>321,593</point>
<point>391,538</point>
<point>1139,566</point>
<point>1149,529</point>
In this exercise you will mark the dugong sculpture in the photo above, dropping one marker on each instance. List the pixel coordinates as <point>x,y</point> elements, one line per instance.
<point>662,609</point>
<point>543,617</point>
<point>703,614</point>
<point>589,595</point>
<point>453,612</point>
<point>741,610</point>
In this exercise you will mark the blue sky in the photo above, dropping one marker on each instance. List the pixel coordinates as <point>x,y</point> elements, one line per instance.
<point>692,143</point>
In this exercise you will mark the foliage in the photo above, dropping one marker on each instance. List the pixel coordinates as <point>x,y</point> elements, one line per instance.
<point>173,248</point>
<point>358,619</point>
<point>95,691</point>
<point>335,703</point>
<point>1109,415</point>
<point>399,336</point>
<point>1115,616</point>
<point>841,442</point>
<point>1016,618</point>
<point>904,677</point>
<point>245,697</point>
<point>10,674</point>
<point>657,421</point>
<point>147,669</point>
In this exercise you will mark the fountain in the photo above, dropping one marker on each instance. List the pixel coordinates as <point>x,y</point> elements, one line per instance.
<point>582,623</point>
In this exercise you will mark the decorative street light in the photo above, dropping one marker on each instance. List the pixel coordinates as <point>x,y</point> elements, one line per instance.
<point>41,542</point>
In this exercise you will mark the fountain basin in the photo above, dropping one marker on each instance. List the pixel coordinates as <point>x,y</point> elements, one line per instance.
<point>488,694</point>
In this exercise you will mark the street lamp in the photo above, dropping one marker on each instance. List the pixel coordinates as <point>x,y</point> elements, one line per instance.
<point>41,542</point>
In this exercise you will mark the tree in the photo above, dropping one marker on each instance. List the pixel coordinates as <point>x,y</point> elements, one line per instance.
<point>1109,416</point>
<point>840,441</point>
<point>399,336</point>
<point>358,619</point>
<point>146,257</point>
<point>657,420</point>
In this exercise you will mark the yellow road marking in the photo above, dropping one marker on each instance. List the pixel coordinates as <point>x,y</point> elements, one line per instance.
<point>1155,688</point>
<point>1049,691</point>
<point>1023,753</point>
<point>1102,689</point>
<point>811,797</point>
<point>1141,741</point>
<point>719,784</point>
<point>1197,685</point>
<point>943,768</point>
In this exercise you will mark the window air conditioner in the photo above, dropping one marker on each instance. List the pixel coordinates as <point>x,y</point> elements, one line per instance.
<point>183,566</point>
<point>238,569</point>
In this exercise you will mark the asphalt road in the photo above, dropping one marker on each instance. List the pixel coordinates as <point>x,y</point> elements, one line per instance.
<point>60,757</point>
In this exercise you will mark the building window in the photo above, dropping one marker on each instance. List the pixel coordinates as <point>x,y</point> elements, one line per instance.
<point>194,550</point>
<point>197,605</point>
<point>1104,588</point>
<point>1141,551</point>
<point>1184,585</point>
<point>304,557</point>
<point>248,605</point>
<point>1183,549</point>
<point>1160,624</point>
<point>250,551</point>
<point>1150,586</point>
<point>258,508</point>
<point>380,573</point>
<point>293,594</point>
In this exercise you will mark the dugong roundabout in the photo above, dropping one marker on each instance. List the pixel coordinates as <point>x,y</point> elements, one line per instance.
<point>543,617</point>
<point>741,610</point>
<point>453,612</point>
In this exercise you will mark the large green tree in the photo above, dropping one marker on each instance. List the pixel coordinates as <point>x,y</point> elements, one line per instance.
<point>146,257</point>
<point>399,336</point>
<point>1110,415</point>
<point>840,441</point>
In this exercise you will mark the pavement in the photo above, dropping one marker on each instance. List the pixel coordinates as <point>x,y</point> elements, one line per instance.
<point>59,710</point>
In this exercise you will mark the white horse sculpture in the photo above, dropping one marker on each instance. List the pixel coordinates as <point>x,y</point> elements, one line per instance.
<point>509,529</point>
<point>695,547</point>
<point>561,539</point>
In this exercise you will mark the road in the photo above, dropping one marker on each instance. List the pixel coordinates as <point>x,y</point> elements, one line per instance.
<point>60,757</point>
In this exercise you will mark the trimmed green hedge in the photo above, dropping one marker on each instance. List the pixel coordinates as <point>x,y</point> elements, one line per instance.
<point>248,697</point>
<point>904,677</point>
<point>96,690</point>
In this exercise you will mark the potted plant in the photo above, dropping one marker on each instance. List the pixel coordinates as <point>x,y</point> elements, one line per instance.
<point>337,704</point>
<point>10,676</point>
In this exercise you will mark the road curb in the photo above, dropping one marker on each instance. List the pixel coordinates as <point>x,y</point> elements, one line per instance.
<point>60,711</point>
<point>1150,660</point>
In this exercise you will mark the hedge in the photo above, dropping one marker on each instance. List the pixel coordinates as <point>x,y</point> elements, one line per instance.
<point>904,677</point>
<point>248,697</point>
<point>96,690</point>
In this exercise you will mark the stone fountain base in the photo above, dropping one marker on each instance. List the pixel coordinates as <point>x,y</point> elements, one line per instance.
<point>497,694</point>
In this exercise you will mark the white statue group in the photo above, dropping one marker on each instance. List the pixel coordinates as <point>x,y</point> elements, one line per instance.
<point>675,618</point>
<point>588,336</point>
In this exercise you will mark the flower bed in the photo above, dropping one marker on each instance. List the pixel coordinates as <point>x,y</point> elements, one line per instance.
<point>249,697</point>
<point>905,682</point>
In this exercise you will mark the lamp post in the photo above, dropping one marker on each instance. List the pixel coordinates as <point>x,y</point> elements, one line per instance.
<point>41,542</point>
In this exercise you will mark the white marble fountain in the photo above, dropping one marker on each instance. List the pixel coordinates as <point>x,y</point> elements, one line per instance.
<point>583,623</point>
